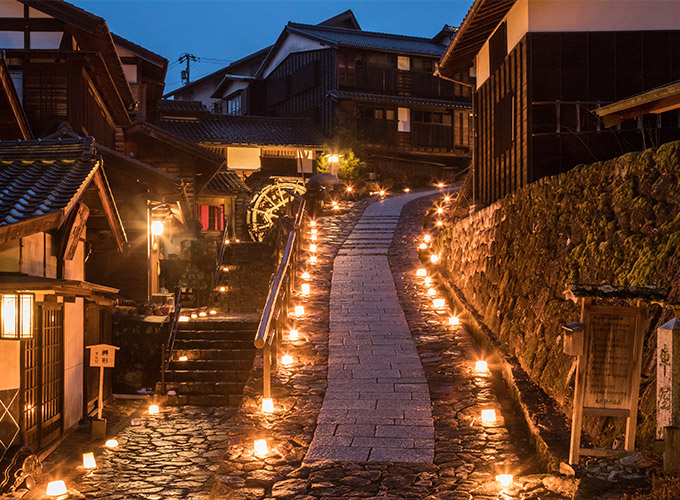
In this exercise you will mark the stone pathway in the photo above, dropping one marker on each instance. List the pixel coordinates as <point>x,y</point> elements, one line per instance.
<point>377,405</point>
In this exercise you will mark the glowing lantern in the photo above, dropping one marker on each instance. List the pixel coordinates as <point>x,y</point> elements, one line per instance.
<point>441,185</point>
<point>305,275</point>
<point>432,291</point>
<point>349,189</point>
<point>153,409</point>
<point>312,259</point>
<point>312,223</point>
<point>406,190</point>
<point>203,314</point>
<point>440,210</point>
<point>183,358</point>
<point>505,480</point>
<point>286,360</point>
<point>453,320</point>
<point>293,334</point>
<point>422,272</point>
<point>439,303</point>
<point>313,237</point>
<point>226,242</point>
<point>299,310</point>
<point>17,316</point>
<point>382,192</point>
<point>488,416</point>
<point>223,289</point>
<point>434,258</point>
<point>447,198</point>
<point>482,367</point>
<point>88,460</point>
<point>111,443</point>
<point>314,231</point>
<point>312,247</point>
<point>213,312</point>
<point>305,288</point>
<point>427,238</point>
<point>422,246</point>
<point>267,405</point>
<point>56,489</point>
<point>183,319</point>
<point>428,280</point>
<point>439,223</point>
<point>260,447</point>
<point>194,315</point>
<point>157,227</point>
<point>333,158</point>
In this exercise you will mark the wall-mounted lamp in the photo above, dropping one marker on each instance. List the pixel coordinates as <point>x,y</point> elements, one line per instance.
<point>17,316</point>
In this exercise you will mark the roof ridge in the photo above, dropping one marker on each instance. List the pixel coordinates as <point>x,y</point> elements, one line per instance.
<point>360,32</point>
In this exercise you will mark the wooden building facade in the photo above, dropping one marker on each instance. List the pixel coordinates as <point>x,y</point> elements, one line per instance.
<point>543,69</point>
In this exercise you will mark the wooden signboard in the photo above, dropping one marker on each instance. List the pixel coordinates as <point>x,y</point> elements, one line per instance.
<point>103,356</point>
<point>608,371</point>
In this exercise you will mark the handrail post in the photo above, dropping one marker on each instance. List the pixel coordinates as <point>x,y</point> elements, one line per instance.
<point>163,368</point>
<point>267,372</point>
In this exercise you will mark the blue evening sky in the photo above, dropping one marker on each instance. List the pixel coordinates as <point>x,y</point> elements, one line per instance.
<point>220,31</point>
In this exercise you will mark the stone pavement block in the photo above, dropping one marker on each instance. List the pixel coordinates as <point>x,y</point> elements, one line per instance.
<point>318,452</point>
<point>354,404</point>
<point>417,455</point>
<point>405,431</point>
<point>377,442</point>
<point>404,404</point>
<point>355,430</point>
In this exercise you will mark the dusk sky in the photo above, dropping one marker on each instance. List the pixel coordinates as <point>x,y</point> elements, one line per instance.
<point>220,31</point>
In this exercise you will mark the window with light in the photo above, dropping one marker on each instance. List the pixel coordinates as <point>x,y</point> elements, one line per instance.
<point>17,316</point>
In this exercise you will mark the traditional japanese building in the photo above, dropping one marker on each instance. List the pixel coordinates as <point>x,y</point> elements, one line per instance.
<point>56,195</point>
<point>543,68</point>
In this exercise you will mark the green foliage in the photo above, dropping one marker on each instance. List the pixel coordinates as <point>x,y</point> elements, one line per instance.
<point>350,166</point>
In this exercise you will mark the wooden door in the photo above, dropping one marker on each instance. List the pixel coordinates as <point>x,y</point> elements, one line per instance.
<point>43,379</point>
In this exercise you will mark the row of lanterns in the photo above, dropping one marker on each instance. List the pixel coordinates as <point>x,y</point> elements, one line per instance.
<point>488,415</point>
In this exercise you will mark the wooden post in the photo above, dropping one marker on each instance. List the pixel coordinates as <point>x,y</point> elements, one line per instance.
<point>100,404</point>
<point>267,372</point>
<point>577,415</point>
<point>671,455</point>
<point>163,354</point>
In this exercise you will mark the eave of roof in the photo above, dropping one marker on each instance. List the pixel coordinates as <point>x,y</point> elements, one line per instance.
<point>225,183</point>
<point>657,100</point>
<point>13,99</point>
<point>142,52</point>
<point>19,282</point>
<point>393,99</point>
<point>479,23</point>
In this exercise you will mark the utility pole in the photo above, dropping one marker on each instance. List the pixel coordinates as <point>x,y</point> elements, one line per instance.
<point>189,58</point>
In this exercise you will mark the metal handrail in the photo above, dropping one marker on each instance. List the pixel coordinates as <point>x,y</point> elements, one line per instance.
<point>278,299</point>
<point>168,347</point>
<point>220,255</point>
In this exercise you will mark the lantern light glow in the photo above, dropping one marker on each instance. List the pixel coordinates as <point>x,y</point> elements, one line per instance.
<point>421,272</point>
<point>157,227</point>
<point>213,312</point>
<point>505,480</point>
<point>440,210</point>
<point>407,190</point>
<point>260,447</point>
<point>431,291</point>
<point>312,223</point>
<point>88,461</point>
<point>481,366</point>
<point>313,237</point>
<point>312,259</point>
<point>299,310</point>
<point>293,334</point>
<point>286,360</point>
<point>422,246</point>
<point>434,258</point>
<point>56,489</point>
<point>489,416</point>
<point>305,275</point>
<point>439,303</point>
<point>453,320</point>
<point>382,192</point>
<point>427,238</point>
<point>305,289</point>
<point>439,223</point>
<point>203,314</point>
<point>428,280</point>
<point>111,443</point>
<point>183,358</point>
<point>312,247</point>
<point>267,405</point>
<point>153,409</point>
<point>17,316</point>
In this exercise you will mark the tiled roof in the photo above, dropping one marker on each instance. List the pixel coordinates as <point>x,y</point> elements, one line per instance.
<point>42,177</point>
<point>256,130</point>
<point>226,183</point>
<point>170,105</point>
<point>396,99</point>
<point>369,40</point>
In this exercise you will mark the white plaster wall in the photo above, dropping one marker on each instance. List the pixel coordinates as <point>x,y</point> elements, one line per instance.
<point>517,20</point>
<point>11,8</point>
<point>10,375</point>
<point>11,40</point>
<point>9,257</point>
<point>130,71</point>
<point>32,253</point>
<point>603,15</point>
<point>243,158</point>
<point>47,40</point>
<point>74,337</point>
<point>292,43</point>
<point>75,269</point>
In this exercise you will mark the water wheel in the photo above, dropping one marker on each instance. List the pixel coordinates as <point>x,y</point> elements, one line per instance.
<point>270,203</point>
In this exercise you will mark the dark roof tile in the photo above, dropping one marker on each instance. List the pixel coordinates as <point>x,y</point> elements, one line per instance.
<point>255,130</point>
<point>226,183</point>
<point>398,99</point>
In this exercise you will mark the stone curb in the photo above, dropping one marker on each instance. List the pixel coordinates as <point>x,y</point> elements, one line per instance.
<point>548,428</point>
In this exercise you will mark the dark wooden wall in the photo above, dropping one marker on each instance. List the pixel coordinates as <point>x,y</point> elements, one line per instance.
<point>499,172</point>
<point>555,81</point>
<point>298,87</point>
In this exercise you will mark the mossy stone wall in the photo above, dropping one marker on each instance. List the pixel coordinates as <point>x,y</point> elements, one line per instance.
<point>615,222</point>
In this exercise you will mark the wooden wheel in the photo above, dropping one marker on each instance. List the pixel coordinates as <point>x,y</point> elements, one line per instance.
<point>270,203</point>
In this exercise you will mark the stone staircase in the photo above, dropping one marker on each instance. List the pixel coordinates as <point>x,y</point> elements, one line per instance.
<point>219,354</point>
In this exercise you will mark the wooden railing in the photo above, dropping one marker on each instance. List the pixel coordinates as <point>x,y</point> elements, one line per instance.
<point>220,255</point>
<point>275,315</point>
<point>167,348</point>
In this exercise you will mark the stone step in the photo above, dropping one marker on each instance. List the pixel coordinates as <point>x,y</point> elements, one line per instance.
<point>204,400</point>
<point>211,364</point>
<point>203,343</point>
<point>178,375</point>
<point>247,335</point>
<point>215,354</point>
<point>209,324</point>
<point>201,388</point>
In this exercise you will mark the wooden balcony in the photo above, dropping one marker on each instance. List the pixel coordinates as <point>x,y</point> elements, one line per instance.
<point>395,82</point>
<point>431,136</point>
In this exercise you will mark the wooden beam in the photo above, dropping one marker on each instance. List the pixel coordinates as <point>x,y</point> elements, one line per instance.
<point>110,209</point>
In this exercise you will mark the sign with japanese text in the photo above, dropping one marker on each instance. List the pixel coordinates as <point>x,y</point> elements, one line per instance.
<point>103,355</point>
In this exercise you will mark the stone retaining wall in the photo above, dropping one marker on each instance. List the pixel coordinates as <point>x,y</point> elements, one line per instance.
<point>615,222</point>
